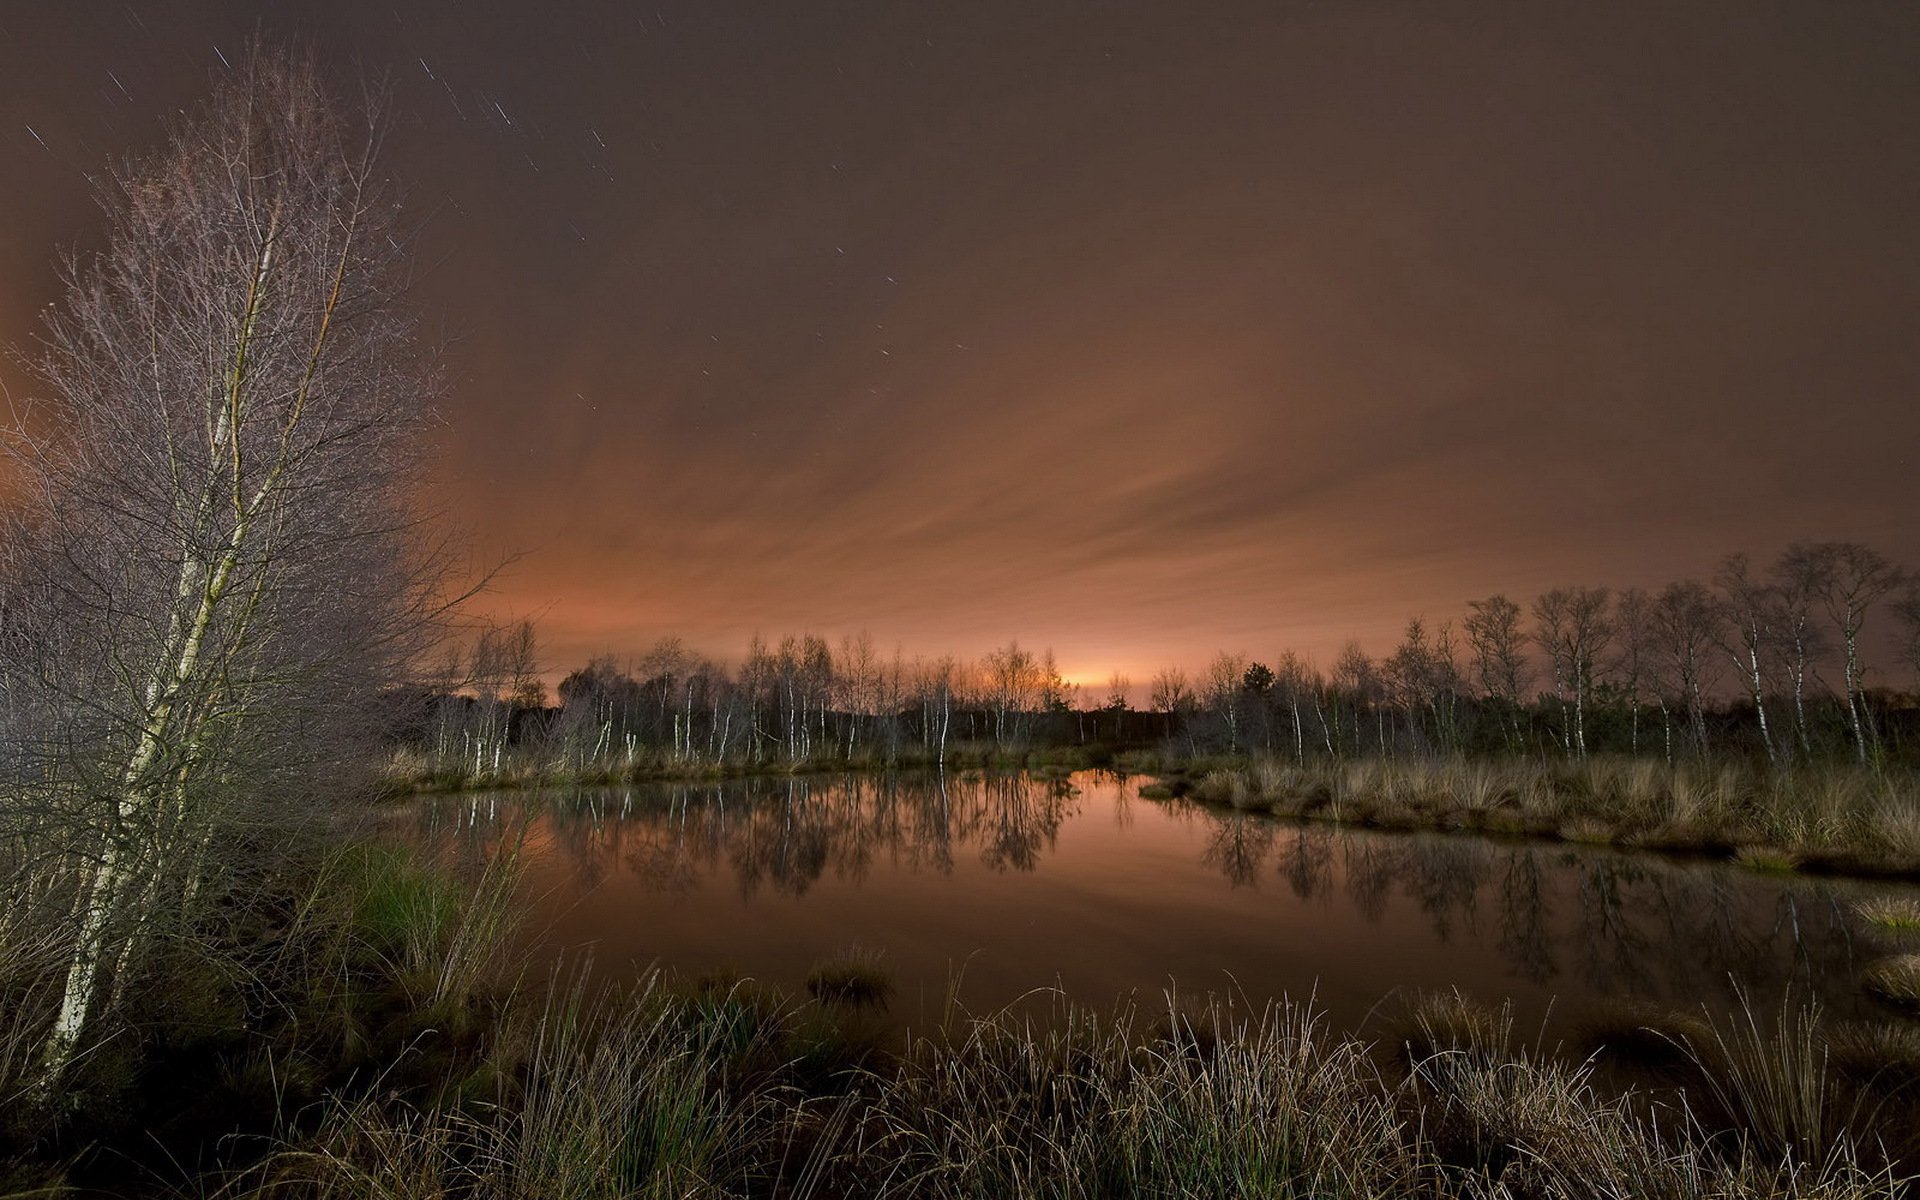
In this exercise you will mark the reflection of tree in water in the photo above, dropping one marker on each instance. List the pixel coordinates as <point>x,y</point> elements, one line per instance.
<point>1238,847</point>
<point>1621,924</point>
<point>1616,954</point>
<point>1624,924</point>
<point>1307,862</point>
<point>1526,940</point>
<point>779,834</point>
<point>785,842</point>
<point>1370,869</point>
<point>1445,875</point>
<point>1021,817</point>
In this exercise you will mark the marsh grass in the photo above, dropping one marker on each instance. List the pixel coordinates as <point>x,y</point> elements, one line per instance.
<point>1768,860</point>
<point>410,769</point>
<point>656,1091</point>
<point>441,934</point>
<point>856,977</point>
<point>466,1081</point>
<point>1828,818</point>
<point>33,957</point>
<point>584,1096</point>
<point>1895,979</point>
<point>1900,914</point>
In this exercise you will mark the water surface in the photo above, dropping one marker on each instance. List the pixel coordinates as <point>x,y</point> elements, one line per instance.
<point>1000,885</point>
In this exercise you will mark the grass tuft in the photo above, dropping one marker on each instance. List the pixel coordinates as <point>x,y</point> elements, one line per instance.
<point>1771,860</point>
<point>1895,979</point>
<point>1899,913</point>
<point>855,977</point>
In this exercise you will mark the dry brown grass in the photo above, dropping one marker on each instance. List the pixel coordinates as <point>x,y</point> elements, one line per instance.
<point>1843,817</point>
<point>1898,913</point>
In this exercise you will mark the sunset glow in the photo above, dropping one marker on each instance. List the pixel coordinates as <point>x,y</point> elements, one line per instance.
<point>1138,334</point>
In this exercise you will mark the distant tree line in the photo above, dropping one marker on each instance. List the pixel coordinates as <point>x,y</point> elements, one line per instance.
<point>1772,661</point>
<point>803,700</point>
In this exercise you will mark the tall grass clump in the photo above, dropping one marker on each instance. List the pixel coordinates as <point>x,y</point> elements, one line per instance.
<point>1225,787</point>
<point>586,1096</point>
<point>1895,979</point>
<point>33,958</point>
<point>1832,817</point>
<point>1788,1093</point>
<point>1897,913</point>
<point>1087,1105</point>
<point>855,976</point>
<point>440,933</point>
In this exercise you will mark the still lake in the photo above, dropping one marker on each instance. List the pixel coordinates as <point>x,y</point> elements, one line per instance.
<point>998,885</point>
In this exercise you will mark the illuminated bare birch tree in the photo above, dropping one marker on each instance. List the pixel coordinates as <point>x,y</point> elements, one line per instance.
<point>1499,647</point>
<point>1750,635</point>
<point>212,570</point>
<point>1799,579</point>
<point>1853,579</point>
<point>1573,627</point>
<point>1686,627</point>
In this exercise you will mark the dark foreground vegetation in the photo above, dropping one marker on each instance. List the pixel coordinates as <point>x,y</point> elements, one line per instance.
<point>368,1031</point>
<point>214,983</point>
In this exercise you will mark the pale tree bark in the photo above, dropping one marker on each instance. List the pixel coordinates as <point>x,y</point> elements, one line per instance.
<point>1750,634</point>
<point>1633,659</point>
<point>1800,579</point>
<point>216,503</point>
<point>1498,645</point>
<point>1574,628</point>
<point>1854,578</point>
<point>1687,623</point>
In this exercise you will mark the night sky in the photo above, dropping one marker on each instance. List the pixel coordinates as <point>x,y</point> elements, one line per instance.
<point>1140,330</point>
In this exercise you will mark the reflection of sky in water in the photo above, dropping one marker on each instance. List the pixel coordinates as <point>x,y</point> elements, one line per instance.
<point>1021,884</point>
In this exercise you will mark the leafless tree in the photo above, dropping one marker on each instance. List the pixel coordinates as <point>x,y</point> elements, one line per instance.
<point>1293,684</point>
<point>212,567</point>
<point>1498,644</point>
<point>1574,629</point>
<point>1119,689</point>
<point>1906,611</point>
<point>1170,692</point>
<point>1012,675</point>
<point>937,683</point>
<point>1854,578</point>
<point>1750,634</point>
<point>1800,579</point>
<point>1223,696</point>
<point>1634,655</point>
<point>1686,628</point>
<point>1354,674</point>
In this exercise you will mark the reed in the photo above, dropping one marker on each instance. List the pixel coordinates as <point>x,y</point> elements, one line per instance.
<point>1895,979</point>
<point>856,977</point>
<point>1835,818</point>
<point>1898,913</point>
<point>644,1094</point>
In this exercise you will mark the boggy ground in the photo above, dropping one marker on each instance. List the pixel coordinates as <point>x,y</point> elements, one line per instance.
<point>386,1043</point>
<point>1837,819</point>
